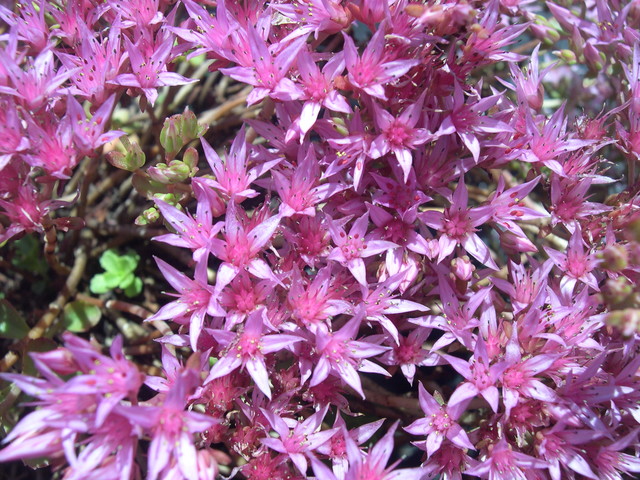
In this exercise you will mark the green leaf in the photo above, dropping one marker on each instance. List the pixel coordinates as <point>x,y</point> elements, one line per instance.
<point>126,280</point>
<point>103,283</point>
<point>79,316</point>
<point>109,260</point>
<point>112,262</point>
<point>12,325</point>
<point>134,289</point>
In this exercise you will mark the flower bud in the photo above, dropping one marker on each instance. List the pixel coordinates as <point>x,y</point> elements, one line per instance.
<point>176,172</point>
<point>147,217</point>
<point>594,58</point>
<point>190,158</point>
<point>617,291</point>
<point>614,258</point>
<point>131,160</point>
<point>147,186</point>
<point>628,321</point>
<point>548,35</point>
<point>462,268</point>
<point>568,56</point>
<point>515,244</point>
<point>170,137</point>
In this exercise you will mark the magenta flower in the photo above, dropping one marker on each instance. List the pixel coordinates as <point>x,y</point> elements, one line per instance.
<point>96,63</point>
<point>575,265</point>
<point>312,305</point>
<point>467,119</point>
<point>372,70</point>
<point>548,146</point>
<point>457,226</point>
<point>561,449</point>
<point>519,378</point>
<point>399,134</point>
<point>336,447</point>
<point>300,193</point>
<point>524,284</point>
<point>231,176</point>
<point>241,247</point>
<point>318,88</point>
<point>508,205</point>
<point>379,303</point>
<point>150,71</point>
<point>439,423</point>
<point>502,458</point>
<point>372,466</point>
<point>481,377</point>
<point>298,439</point>
<point>410,353</point>
<point>172,450</point>
<point>13,138</point>
<point>341,356</point>
<point>195,300</point>
<point>266,69</point>
<point>89,134</point>
<point>38,83</point>
<point>247,348</point>
<point>351,249</point>
<point>194,233</point>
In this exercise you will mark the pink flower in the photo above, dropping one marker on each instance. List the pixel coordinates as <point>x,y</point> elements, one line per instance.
<point>399,134</point>
<point>575,264</point>
<point>457,226</point>
<point>481,377</point>
<point>150,71</point>
<point>266,69</point>
<point>194,233</point>
<point>298,439</point>
<point>247,349</point>
<point>502,463</point>
<point>351,249</point>
<point>372,70</point>
<point>371,466</point>
<point>318,88</point>
<point>301,192</point>
<point>241,247</point>
<point>343,357</point>
<point>467,119</point>
<point>439,423</point>
<point>172,450</point>
<point>232,177</point>
<point>196,299</point>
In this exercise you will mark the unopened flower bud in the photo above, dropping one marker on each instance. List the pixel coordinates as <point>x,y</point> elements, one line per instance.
<point>593,57</point>
<point>568,56</point>
<point>462,268</point>
<point>147,186</point>
<point>617,291</point>
<point>176,172</point>
<point>548,35</point>
<point>614,258</point>
<point>190,158</point>
<point>628,321</point>
<point>515,244</point>
<point>170,137</point>
<point>131,160</point>
<point>147,217</point>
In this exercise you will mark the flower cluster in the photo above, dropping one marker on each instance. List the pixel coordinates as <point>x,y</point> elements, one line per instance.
<point>415,206</point>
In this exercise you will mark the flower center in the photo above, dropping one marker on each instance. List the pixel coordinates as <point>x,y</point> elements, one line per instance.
<point>353,247</point>
<point>457,224</point>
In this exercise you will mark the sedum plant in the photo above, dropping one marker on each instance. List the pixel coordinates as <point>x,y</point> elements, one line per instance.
<point>399,239</point>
